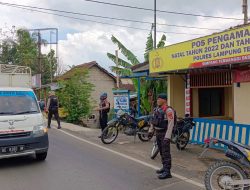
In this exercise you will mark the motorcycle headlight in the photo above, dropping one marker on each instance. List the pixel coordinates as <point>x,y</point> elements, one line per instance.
<point>39,130</point>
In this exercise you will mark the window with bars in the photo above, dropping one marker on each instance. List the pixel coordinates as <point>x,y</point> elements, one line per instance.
<point>211,79</point>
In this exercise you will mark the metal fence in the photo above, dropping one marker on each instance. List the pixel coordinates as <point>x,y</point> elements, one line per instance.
<point>227,130</point>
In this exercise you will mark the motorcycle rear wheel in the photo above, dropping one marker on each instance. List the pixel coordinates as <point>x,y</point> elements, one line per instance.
<point>183,140</point>
<point>219,181</point>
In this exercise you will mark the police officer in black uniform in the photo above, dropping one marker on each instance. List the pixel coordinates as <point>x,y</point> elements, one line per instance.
<point>164,124</point>
<point>52,109</point>
<point>103,109</point>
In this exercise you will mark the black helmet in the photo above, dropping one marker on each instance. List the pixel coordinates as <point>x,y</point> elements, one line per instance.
<point>163,96</point>
<point>103,96</point>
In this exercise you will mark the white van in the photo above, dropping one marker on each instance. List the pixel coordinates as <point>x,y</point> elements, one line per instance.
<point>22,127</point>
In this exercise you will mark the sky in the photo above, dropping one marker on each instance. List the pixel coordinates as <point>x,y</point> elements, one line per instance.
<point>82,41</point>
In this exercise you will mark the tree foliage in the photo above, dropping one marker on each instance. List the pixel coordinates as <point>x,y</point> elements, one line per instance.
<point>23,50</point>
<point>75,96</point>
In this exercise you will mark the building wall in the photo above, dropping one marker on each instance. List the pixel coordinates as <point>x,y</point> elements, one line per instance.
<point>242,103</point>
<point>176,94</point>
<point>102,83</point>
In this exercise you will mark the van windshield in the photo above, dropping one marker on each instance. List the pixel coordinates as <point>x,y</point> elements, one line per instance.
<point>18,103</point>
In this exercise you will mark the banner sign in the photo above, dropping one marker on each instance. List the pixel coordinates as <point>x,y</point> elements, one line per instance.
<point>241,76</point>
<point>121,102</point>
<point>231,46</point>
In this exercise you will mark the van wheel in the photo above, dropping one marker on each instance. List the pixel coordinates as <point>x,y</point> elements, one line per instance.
<point>41,156</point>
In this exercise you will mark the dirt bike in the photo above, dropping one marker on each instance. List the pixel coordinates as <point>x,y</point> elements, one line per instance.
<point>229,174</point>
<point>128,125</point>
<point>180,136</point>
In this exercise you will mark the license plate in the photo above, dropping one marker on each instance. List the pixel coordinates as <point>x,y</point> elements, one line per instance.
<point>12,149</point>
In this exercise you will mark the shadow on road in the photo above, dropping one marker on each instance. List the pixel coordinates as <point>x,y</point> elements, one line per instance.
<point>19,162</point>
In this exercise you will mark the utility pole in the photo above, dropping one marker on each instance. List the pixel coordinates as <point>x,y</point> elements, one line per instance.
<point>154,24</point>
<point>57,53</point>
<point>245,11</point>
<point>39,53</point>
<point>117,74</point>
<point>51,73</point>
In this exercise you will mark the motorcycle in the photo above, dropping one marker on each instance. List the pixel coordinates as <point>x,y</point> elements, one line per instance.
<point>180,135</point>
<point>229,174</point>
<point>128,125</point>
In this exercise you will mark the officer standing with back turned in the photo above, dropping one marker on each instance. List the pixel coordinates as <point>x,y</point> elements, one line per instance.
<point>52,109</point>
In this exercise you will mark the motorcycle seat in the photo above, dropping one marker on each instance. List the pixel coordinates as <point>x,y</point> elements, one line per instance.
<point>242,145</point>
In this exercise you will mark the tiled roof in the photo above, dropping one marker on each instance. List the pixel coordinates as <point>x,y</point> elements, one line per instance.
<point>84,66</point>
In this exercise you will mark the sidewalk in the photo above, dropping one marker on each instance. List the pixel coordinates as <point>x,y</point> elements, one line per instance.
<point>185,162</point>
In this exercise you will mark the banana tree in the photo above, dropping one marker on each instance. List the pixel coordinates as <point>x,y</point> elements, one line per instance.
<point>123,68</point>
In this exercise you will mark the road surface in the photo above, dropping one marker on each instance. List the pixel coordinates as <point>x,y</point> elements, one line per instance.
<point>76,165</point>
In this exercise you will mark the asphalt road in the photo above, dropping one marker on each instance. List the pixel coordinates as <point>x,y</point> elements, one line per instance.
<point>75,165</point>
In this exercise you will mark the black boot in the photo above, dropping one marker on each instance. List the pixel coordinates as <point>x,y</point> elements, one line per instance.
<point>165,175</point>
<point>160,171</point>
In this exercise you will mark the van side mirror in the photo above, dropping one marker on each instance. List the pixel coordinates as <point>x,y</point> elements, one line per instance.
<point>41,105</point>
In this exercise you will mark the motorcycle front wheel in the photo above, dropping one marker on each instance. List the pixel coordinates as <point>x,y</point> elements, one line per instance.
<point>182,140</point>
<point>143,134</point>
<point>222,173</point>
<point>109,134</point>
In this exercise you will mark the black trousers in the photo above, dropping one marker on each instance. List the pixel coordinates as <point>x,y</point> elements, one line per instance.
<point>164,147</point>
<point>103,120</point>
<point>56,114</point>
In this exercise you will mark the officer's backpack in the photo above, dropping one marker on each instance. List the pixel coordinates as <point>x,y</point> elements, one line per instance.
<point>53,103</point>
<point>159,119</point>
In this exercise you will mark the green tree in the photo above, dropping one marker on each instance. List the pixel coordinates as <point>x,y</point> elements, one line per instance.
<point>75,96</point>
<point>23,50</point>
<point>8,51</point>
<point>26,49</point>
<point>49,67</point>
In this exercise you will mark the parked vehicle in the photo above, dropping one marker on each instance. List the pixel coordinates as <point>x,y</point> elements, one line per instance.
<point>180,136</point>
<point>128,125</point>
<point>232,174</point>
<point>22,128</point>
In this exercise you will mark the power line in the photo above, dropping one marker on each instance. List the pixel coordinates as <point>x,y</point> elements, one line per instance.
<point>162,11</point>
<point>105,17</point>
<point>99,22</point>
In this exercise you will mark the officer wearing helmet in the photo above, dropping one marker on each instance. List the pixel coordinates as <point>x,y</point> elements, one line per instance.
<point>104,107</point>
